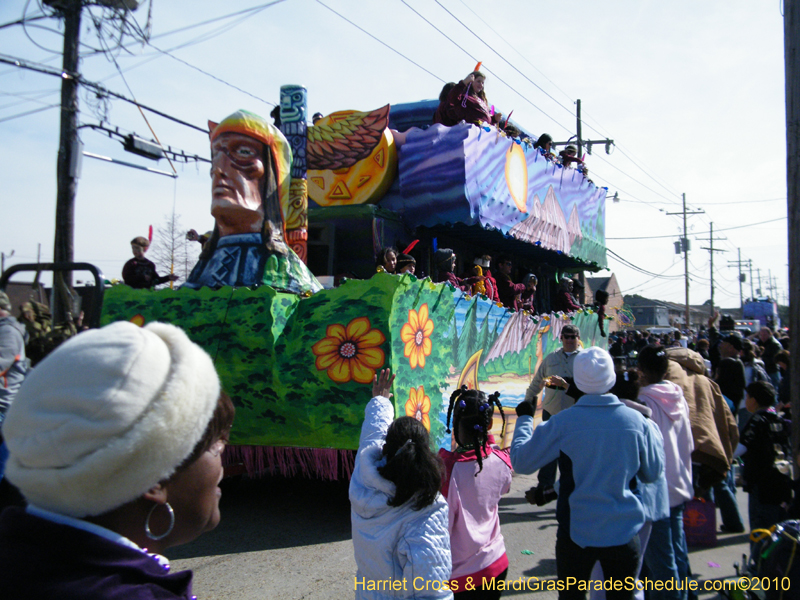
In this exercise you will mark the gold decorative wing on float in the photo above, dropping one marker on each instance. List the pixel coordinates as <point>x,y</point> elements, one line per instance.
<point>345,140</point>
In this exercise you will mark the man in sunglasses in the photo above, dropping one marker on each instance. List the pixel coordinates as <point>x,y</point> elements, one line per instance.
<point>554,375</point>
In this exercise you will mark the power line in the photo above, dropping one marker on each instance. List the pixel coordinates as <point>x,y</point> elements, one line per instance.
<point>643,170</point>
<point>361,29</point>
<point>104,90</point>
<point>633,178</point>
<point>247,12</point>
<point>659,276</point>
<point>752,224</point>
<point>39,68</point>
<point>517,51</point>
<point>23,21</point>
<point>130,91</point>
<point>503,81</point>
<point>569,110</point>
<point>254,9</point>
<point>41,62</point>
<point>30,112</point>
<point>640,269</point>
<point>621,148</point>
<point>744,202</point>
<point>32,97</point>
<point>214,77</point>
<point>652,287</point>
<point>654,237</point>
<point>206,36</point>
<point>451,40</point>
<point>619,189</point>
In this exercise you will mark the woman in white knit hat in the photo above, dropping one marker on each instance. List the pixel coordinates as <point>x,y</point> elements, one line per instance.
<point>115,442</point>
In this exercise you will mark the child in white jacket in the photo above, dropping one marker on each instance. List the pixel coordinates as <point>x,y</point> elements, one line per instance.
<point>399,518</point>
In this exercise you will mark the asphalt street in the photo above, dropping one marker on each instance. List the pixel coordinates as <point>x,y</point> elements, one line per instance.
<point>290,539</point>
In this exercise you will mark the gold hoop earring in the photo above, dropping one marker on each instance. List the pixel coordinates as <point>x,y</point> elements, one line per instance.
<point>149,533</point>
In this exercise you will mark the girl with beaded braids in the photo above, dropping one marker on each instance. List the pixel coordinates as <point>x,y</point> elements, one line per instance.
<point>478,473</point>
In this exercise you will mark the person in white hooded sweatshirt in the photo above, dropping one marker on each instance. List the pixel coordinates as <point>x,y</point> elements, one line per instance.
<point>667,556</point>
<point>400,536</point>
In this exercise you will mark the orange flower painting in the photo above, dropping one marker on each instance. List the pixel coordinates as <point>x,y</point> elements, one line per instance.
<point>416,335</point>
<point>418,406</point>
<point>350,353</point>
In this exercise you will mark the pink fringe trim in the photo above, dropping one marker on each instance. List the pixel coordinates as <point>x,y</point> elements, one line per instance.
<point>313,463</point>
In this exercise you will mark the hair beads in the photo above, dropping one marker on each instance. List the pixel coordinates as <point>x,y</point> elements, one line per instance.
<point>472,412</point>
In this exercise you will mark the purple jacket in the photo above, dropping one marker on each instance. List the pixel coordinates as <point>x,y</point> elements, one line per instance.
<point>42,559</point>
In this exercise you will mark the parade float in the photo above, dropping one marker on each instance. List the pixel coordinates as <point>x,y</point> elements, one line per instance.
<point>299,360</point>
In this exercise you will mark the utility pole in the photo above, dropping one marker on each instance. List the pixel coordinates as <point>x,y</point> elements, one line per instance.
<point>711,251</point>
<point>741,297</point>
<point>739,264</point>
<point>759,291</point>
<point>791,45</point>
<point>773,285</point>
<point>685,247</point>
<point>69,149</point>
<point>68,157</point>
<point>580,141</point>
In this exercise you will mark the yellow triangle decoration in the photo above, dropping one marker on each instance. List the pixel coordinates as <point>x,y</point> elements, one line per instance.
<point>363,180</point>
<point>319,181</point>
<point>380,158</point>
<point>340,192</point>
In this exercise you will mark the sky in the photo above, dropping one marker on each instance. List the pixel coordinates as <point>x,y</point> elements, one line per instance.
<point>691,92</point>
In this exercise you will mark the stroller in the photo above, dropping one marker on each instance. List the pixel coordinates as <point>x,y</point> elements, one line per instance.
<point>773,568</point>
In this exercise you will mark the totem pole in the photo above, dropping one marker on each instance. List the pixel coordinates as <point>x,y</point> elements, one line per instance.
<point>293,126</point>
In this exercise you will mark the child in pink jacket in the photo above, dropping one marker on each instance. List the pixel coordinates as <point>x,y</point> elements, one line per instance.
<point>477,475</point>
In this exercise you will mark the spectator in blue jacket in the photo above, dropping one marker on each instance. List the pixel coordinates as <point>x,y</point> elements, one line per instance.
<point>601,446</point>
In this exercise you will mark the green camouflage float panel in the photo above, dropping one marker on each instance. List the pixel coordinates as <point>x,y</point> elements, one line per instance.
<point>300,370</point>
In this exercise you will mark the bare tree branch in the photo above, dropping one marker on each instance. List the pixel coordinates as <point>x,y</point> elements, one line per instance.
<point>171,251</point>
